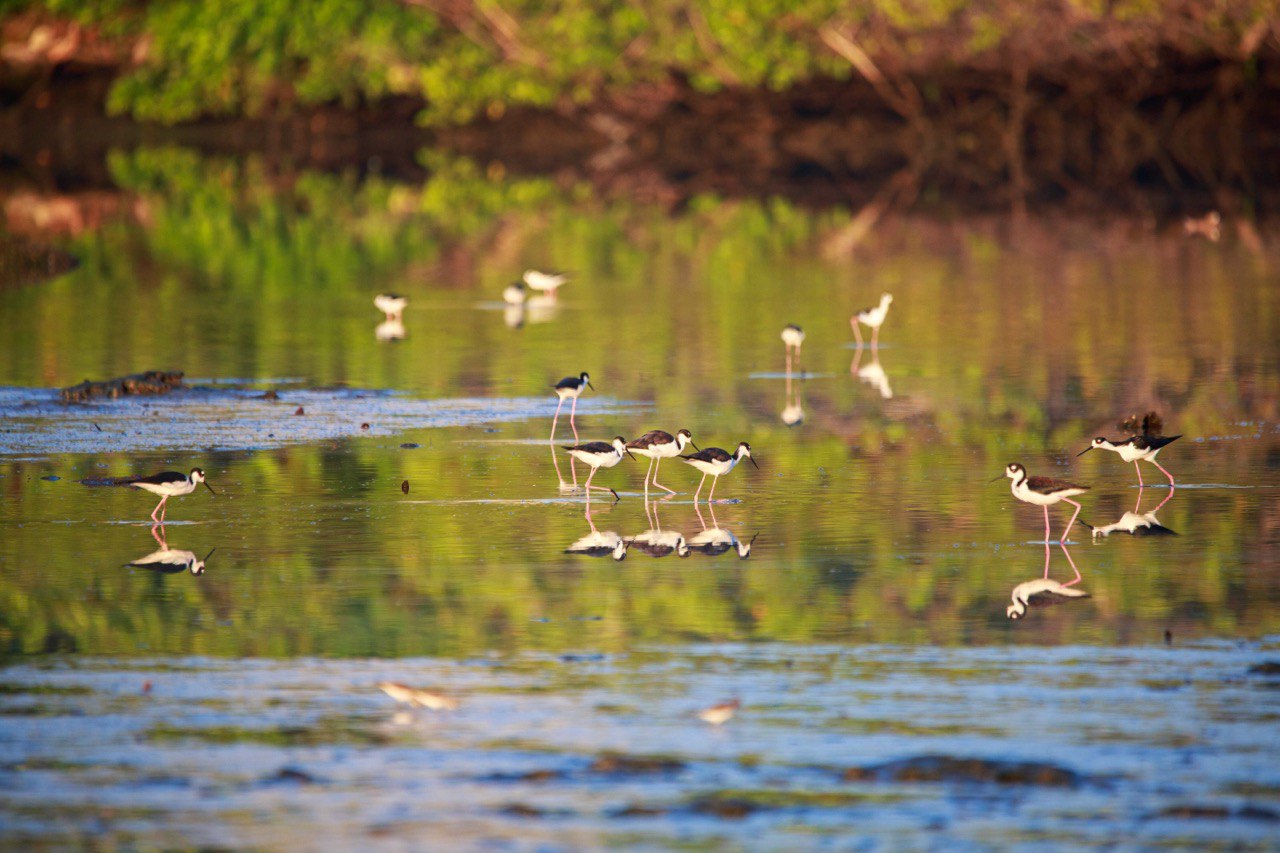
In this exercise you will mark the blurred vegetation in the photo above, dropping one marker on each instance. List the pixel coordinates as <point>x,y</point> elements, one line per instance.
<point>464,58</point>
<point>874,521</point>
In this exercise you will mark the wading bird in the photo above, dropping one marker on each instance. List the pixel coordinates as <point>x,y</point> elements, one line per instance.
<point>170,484</point>
<point>716,462</point>
<point>600,454</point>
<point>570,388</point>
<point>873,317</point>
<point>547,282</point>
<point>659,445</point>
<point>1044,492</point>
<point>792,338</point>
<point>391,304</point>
<point>1142,446</point>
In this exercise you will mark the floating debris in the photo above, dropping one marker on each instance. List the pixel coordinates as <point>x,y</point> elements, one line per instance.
<point>1270,667</point>
<point>404,487</point>
<point>944,768</point>
<point>300,411</point>
<point>409,445</point>
<point>618,764</point>
<point>151,382</point>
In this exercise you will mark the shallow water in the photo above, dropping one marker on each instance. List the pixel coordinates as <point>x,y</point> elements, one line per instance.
<point>851,591</point>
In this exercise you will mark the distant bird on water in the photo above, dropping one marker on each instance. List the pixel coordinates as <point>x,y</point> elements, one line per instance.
<point>872,317</point>
<point>418,697</point>
<point>792,338</point>
<point>170,484</point>
<point>570,388</point>
<point>720,713</point>
<point>515,293</point>
<point>1144,445</point>
<point>391,304</point>
<point>717,462</point>
<point>547,282</point>
<point>1043,491</point>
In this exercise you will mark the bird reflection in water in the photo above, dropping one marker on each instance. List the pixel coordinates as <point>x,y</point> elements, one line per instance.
<point>170,560</point>
<point>565,487</point>
<point>1042,591</point>
<point>793,409</point>
<point>1137,522</point>
<point>390,330</point>
<point>657,542</point>
<point>872,374</point>
<point>520,308</point>
<point>599,543</point>
<point>716,540</point>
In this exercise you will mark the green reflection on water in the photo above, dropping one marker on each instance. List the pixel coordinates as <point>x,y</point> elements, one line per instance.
<point>875,524</point>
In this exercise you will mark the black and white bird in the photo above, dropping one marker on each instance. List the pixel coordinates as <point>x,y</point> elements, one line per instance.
<point>716,462</point>
<point>1041,591</point>
<point>515,293</point>
<point>172,560</point>
<point>715,540</point>
<point>1143,446</point>
<point>570,388</point>
<point>872,317</point>
<point>546,282</point>
<point>1135,524</point>
<point>391,304</point>
<point>169,484</point>
<point>1043,492</point>
<point>600,454</point>
<point>792,338</point>
<point>658,445</point>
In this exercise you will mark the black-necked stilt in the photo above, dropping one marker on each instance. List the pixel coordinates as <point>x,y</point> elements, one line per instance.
<point>570,388</point>
<point>547,282</point>
<point>169,484</point>
<point>1044,492</point>
<point>720,713</point>
<point>872,317</point>
<point>515,293</point>
<point>600,454</point>
<point>391,304</point>
<point>417,697</point>
<point>792,338</point>
<point>659,445</point>
<point>1137,448</point>
<point>716,462</point>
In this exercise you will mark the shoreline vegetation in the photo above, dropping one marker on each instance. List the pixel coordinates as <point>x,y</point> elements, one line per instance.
<point>1133,106</point>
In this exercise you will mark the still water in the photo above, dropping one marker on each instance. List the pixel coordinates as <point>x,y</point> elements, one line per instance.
<point>852,591</point>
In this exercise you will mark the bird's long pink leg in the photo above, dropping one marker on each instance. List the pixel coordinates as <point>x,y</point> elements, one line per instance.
<point>156,536</point>
<point>857,333</point>
<point>788,359</point>
<point>875,338</point>
<point>1139,503</point>
<point>1165,501</point>
<point>1046,524</point>
<point>163,508</point>
<point>1046,559</point>
<point>647,472</point>
<point>656,484</point>
<point>1071,522</point>
<point>573,409</point>
<point>711,494</point>
<point>555,418</point>
<point>799,369</point>
<point>699,492</point>
<point>1161,467</point>
<point>1138,468</point>
<point>159,520</point>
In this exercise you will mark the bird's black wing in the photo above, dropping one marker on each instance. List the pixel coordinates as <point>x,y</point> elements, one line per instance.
<point>651,438</point>
<point>1047,485</point>
<point>591,447</point>
<point>710,454</point>
<point>568,382</point>
<point>161,478</point>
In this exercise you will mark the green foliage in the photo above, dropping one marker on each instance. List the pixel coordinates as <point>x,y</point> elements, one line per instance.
<point>244,57</point>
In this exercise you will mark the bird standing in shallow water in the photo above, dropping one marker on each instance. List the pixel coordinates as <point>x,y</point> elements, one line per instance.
<point>1043,491</point>
<point>547,282</point>
<point>872,317</point>
<point>659,445</point>
<point>169,484</point>
<point>792,337</point>
<point>600,454</point>
<point>391,304</point>
<point>716,462</point>
<point>720,713</point>
<point>1142,446</point>
<point>570,388</point>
